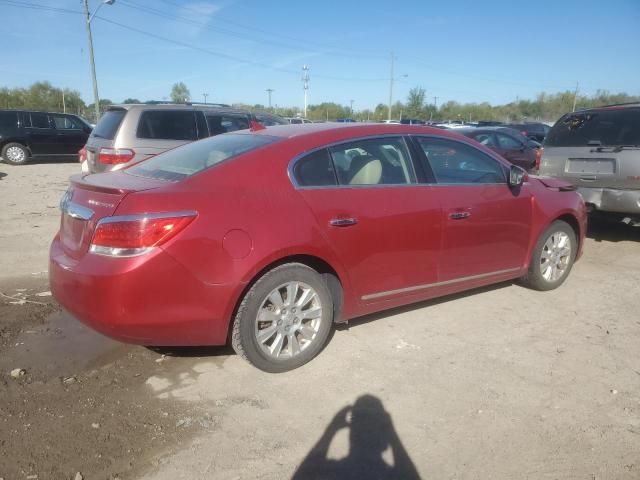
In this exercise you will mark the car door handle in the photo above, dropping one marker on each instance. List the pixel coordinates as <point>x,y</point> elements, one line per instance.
<point>342,222</point>
<point>459,215</point>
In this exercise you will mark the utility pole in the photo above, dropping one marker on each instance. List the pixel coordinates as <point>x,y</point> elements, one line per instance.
<point>96,99</point>
<point>205,95</point>
<point>575,97</point>
<point>305,82</point>
<point>270,91</point>
<point>64,105</point>
<point>391,86</point>
<point>88,18</point>
<point>435,107</point>
<point>351,107</point>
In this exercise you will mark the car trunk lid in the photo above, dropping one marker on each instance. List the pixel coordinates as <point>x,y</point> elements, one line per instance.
<point>90,199</point>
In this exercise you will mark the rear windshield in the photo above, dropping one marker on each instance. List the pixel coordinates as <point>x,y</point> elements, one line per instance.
<point>194,157</point>
<point>108,124</point>
<point>604,127</point>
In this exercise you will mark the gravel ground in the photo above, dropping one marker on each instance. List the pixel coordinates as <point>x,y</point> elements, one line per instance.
<point>499,383</point>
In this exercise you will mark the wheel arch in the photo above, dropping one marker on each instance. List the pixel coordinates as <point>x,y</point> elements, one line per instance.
<point>334,281</point>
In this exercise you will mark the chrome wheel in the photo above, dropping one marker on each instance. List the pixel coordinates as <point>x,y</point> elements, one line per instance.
<point>288,320</point>
<point>15,154</point>
<point>555,258</point>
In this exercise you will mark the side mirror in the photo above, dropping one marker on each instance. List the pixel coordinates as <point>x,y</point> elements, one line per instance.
<point>523,147</point>
<point>517,176</point>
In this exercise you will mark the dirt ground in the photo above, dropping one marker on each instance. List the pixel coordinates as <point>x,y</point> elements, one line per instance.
<point>498,383</point>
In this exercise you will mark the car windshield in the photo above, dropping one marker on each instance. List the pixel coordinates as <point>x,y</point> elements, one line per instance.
<point>192,158</point>
<point>604,127</point>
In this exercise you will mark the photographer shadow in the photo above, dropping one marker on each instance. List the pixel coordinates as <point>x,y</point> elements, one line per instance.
<point>371,433</point>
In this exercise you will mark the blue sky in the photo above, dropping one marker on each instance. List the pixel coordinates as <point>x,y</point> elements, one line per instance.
<point>234,50</point>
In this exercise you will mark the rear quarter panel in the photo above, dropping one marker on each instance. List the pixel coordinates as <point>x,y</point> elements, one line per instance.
<point>249,216</point>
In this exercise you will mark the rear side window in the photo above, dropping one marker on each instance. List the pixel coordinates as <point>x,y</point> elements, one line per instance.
<point>167,125</point>
<point>223,123</point>
<point>192,158</point>
<point>108,124</point>
<point>383,161</point>
<point>605,127</point>
<point>315,170</point>
<point>8,119</point>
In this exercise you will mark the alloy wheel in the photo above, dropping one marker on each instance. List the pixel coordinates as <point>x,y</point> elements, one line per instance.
<point>555,258</point>
<point>288,320</point>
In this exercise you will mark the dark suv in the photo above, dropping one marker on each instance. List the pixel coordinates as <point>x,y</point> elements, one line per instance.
<point>25,134</point>
<point>129,133</point>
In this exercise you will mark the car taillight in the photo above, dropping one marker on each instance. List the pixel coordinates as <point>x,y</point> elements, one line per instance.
<point>114,156</point>
<point>82,155</point>
<point>130,235</point>
<point>538,158</point>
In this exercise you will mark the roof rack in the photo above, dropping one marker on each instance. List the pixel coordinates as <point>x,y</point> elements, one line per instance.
<point>166,102</point>
<point>613,105</point>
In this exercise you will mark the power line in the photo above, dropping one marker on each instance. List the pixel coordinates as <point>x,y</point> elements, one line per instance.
<point>335,50</point>
<point>229,57</point>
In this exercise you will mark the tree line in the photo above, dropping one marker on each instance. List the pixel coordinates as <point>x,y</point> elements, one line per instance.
<point>546,107</point>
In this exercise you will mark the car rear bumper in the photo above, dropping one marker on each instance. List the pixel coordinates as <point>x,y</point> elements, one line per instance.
<point>146,300</point>
<point>611,200</point>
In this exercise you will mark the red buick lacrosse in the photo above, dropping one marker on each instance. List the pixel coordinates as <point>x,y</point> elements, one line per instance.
<point>265,238</point>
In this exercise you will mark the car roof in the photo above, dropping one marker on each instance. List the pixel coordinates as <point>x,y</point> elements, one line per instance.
<point>491,128</point>
<point>341,131</point>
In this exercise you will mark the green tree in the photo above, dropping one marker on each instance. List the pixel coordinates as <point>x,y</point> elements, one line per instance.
<point>131,100</point>
<point>415,107</point>
<point>180,93</point>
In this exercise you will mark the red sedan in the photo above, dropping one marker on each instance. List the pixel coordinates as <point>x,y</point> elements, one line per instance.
<point>266,238</point>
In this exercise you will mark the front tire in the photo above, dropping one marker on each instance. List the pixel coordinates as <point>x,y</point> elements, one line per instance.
<point>15,154</point>
<point>284,319</point>
<point>552,258</point>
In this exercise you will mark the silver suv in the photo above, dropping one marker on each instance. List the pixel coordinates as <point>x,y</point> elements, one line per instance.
<point>129,133</point>
<point>598,150</point>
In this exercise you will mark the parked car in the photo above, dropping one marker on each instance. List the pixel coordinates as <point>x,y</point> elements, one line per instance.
<point>269,237</point>
<point>598,150</point>
<point>412,121</point>
<point>297,120</point>
<point>509,143</point>
<point>129,133</point>
<point>490,123</point>
<point>26,134</point>
<point>534,131</point>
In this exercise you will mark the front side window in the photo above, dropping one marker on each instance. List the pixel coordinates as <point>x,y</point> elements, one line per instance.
<point>486,139</point>
<point>382,161</point>
<point>40,120</point>
<point>192,158</point>
<point>507,142</point>
<point>315,170</point>
<point>457,163</point>
<point>168,125</point>
<point>62,122</point>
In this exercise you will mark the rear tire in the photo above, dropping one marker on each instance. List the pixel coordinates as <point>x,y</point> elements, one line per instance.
<point>284,319</point>
<point>15,154</point>
<point>552,257</point>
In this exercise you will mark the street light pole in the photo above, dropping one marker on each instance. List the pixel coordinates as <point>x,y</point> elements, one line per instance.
<point>88,18</point>
<point>270,91</point>
<point>205,95</point>
<point>391,87</point>
<point>351,107</point>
